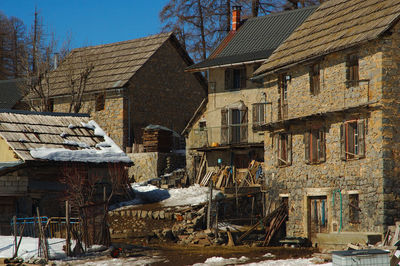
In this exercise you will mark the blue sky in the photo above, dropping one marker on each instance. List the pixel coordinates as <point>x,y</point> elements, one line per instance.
<point>91,22</point>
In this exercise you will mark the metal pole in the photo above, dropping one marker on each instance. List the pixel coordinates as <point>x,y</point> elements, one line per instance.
<point>15,235</point>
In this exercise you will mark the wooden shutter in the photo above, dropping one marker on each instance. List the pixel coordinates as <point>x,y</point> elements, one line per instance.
<point>307,146</point>
<point>243,78</point>
<point>261,113</point>
<point>321,145</point>
<point>243,124</point>
<point>361,138</point>
<point>289,149</point>
<point>228,79</point>
<point>348,65</point>
<point>312,80</point>
<point>255,114</point>
<point>316,79</point>
<point>224,126</point>
<point>342,142</point>
<point>276,142</point>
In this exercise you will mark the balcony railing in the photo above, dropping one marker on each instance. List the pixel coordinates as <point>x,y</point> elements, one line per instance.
<point>226,135</point>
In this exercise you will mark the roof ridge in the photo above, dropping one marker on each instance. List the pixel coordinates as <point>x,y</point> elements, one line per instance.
<point>154,36</point>
<point>26,112</point>
<point>285,12</point>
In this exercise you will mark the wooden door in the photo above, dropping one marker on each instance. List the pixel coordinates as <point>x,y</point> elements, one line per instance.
<point>317,216</point>
<point>7,211</point>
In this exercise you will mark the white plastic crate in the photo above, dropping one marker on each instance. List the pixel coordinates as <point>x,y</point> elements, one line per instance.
<point>373,257</point>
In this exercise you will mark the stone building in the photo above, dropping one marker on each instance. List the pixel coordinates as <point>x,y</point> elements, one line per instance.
<point>331,137</point>
<point>126,86</point>
<point>223,127</point>
<point>37,150</point>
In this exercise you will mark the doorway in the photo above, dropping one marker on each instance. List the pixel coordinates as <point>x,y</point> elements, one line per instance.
<point>317,216</point>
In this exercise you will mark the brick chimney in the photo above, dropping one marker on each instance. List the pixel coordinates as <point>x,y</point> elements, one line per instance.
<point>236,17</point>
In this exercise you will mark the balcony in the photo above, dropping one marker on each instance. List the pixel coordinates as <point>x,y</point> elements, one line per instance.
<point>227,136</point>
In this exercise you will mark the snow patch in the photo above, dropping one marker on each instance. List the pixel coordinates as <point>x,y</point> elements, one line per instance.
<point>107,150</point>
<point>193,195</point>
<point>75,143</point>
<point>222,261</point>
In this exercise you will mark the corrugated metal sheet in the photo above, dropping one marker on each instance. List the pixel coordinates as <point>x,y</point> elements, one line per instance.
<point>258,37</point>
<point>335,25</point>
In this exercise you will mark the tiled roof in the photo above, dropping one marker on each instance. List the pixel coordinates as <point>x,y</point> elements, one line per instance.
<point>24,131</point>
<point>113,64</point>
<point>10,93</point>
<point>257,38</point>
<point>335,25</point>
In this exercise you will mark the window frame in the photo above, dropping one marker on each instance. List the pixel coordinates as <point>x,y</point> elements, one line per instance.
<point>315,79</point>
<point>354,209</point>
<point>235,78</point>
<point>284,149</point>
<point>352,138</point>
<point>259,114</point>
<point>352,70</point>
<point>315,145</point>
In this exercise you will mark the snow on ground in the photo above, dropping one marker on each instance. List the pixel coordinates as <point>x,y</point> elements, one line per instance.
<point>106,151</point>
<point>145,194</point>
<point>220,261</point>
<point>29,247</point>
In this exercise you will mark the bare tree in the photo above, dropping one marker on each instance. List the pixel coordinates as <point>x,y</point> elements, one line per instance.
<point>89,189</point>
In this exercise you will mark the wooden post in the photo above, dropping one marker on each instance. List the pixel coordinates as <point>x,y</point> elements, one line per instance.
<point>67,225</point>
<point>209,204</point>
<point>42,238</point>
<point>15,235</point>
<point>236,190</point>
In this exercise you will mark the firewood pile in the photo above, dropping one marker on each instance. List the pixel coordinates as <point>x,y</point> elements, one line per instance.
<point>157,140</point>
<point>226,178</point>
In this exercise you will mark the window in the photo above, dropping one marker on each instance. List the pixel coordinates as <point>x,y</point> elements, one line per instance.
<point>354,209</point>
<point>352,135</point>
<point>50,105</point>
<point>283,80</point>
<point>352,70</point>
<point>314,79</point>
<point>284,149</point>
<point>314,142</point>
<point>100,101</point>
<point>202,125</point>
<point>258,113</point>
<point>235,78</point>
<point>234,125</point>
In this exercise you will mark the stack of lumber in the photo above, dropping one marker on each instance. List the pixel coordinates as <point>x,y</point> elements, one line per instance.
<point>157,140</point>
<point>272,222</point>
<point>225,179</point>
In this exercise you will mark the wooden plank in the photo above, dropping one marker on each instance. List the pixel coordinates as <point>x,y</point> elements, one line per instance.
<point>202,163</point>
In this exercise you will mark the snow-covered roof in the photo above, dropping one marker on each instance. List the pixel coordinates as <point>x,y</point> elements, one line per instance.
<point>58,137</point>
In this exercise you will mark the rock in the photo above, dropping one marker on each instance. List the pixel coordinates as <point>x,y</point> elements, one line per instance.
<point>156,214</point>
<point>150,214</point>
<point>144,214</point>
<point>162,214</point>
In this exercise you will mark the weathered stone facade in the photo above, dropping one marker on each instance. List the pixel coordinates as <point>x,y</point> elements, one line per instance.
<point>159,93</point>
<point>374,178</point>
<point>218,99</point>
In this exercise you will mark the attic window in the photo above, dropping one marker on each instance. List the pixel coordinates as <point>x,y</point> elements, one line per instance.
<point>352,70</point>
<point>100,101</point>
<point>235,78</point>
<point>314,79</point>
<point>50,105</point>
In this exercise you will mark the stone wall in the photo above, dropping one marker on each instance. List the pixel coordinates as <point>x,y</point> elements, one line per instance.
<point>300,181</point>
<point>111,119</point>
<point>149,165</point>
<point>391,124</point>
<point>162,93</point>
